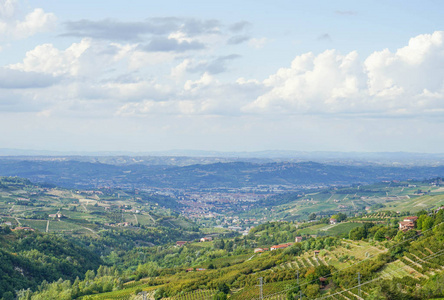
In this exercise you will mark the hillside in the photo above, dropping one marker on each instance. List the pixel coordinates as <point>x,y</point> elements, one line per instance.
<point>128,238</point>
<point>407,266</point>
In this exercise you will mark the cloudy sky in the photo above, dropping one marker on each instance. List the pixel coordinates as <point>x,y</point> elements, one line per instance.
<point>222,75</point>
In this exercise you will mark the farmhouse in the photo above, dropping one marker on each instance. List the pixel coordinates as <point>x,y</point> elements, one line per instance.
<point>281,246</point>
<point>411,219</point>
<point>333,221</point>
<point>298,239</point>
<point>408,223</point>
<point>260,250</point>
<point>56,216</point>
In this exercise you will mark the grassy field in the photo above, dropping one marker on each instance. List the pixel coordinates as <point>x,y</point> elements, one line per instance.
<point>415,203</point>
<point>313,229</point>
<point>55,226</point>
<point>39,225</point>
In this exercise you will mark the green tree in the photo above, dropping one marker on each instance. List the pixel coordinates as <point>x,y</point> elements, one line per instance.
<point>427,223</point>
<point>380,234</point>
<point>312,291</point>
<point>223,287</point>
<point>220,296</point>
<point>160,293</point>
<point>357,233</point>
<point>8,296</point>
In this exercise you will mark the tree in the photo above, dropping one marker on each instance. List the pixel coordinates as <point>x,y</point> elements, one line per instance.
<point>160,293</point>
<point>312,291</point>
<point>223,287</point>
<point>312,216</point>
<point>8,296</point>
<point>380,234</point>
<point>427,223</point>
<point>357,233</point>
<point>220,296</point>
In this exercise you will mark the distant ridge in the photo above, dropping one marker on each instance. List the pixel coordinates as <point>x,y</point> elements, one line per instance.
<point>384,158</point>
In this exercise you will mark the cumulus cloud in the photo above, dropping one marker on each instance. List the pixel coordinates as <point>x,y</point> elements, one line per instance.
<point>406,82</point>
<point>129,80</point>
<point>203,96</point>
<point>12,25</point>
<point>48,59</point>
<point>87,58</point>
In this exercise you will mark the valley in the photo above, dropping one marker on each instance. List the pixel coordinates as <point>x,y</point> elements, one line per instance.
<point>215,242</point>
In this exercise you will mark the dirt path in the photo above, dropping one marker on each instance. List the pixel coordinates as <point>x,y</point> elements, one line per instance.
<point>95,233</point>
<point>251,257</point>
<point>47,226</point>
<point>154,221</point>
<point>135,217</point>
<point>18,221</point>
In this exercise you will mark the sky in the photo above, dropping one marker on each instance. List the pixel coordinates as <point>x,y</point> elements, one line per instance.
<point>140,76</point>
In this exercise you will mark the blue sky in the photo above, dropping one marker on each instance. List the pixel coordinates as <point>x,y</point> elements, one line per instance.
<point>222,75</point>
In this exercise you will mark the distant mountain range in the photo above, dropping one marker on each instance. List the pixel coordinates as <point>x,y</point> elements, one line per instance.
<point>72,173</point>
<point>190,157</point>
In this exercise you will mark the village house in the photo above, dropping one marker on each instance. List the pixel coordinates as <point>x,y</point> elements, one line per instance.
<point>281,246</point>
<point>260,250</point>
<point>298,239</point>
<point>404,226</point>
<point>411,219</point>
<point>180,243</point>
<point>333,221</point>
<point>408,223</point>
<point>206,239</point>
<point>56,216</point>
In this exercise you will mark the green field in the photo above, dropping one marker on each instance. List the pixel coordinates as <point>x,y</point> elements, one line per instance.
<point>39,225</point>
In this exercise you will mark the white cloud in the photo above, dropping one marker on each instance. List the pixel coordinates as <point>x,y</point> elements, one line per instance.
<point>405,82</point>
<point>11,25</point>
<point>48,59</point>
<point>408,81</point>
